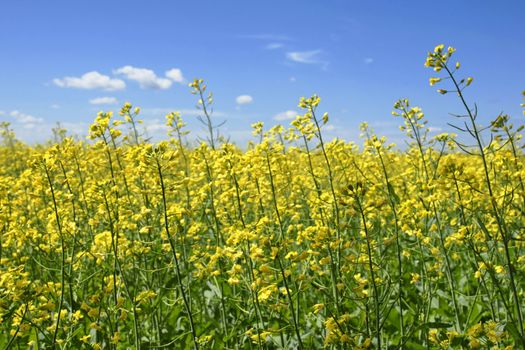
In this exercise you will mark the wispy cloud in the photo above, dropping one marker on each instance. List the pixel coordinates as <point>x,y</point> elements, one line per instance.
<point>91,80</point>
<point>146,78</point>
<point>287,115</point>
<point>103,101</point>
<point>55,106</point>
<point>244,99</point>
<point>307,57</point>
<point>304,56</point>
<point>272,37</point>
<point>274,46</point>
<point>368,60</point>
<point>161,112</point>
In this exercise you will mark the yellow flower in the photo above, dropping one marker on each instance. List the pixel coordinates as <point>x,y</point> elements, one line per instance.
<point>434,81</point>
<point>77,315</point>
<point>415,277</point>
<point>266,292</point>
<point>317,308</point>
<point>85,339</point>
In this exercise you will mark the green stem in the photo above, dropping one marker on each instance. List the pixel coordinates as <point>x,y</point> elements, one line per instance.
<point>174,254</point>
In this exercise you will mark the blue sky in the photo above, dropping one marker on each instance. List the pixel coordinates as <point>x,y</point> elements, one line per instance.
<point>62,60</point>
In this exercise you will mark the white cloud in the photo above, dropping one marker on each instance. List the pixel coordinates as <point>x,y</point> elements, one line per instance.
<point>244,99</point>
<point>155,125</point>
<point>55,106</point>
<point>308,57</point>
<point>76,128</point>
<point>103,101</point>
<point>293,79</point>
<point>91,80</point>
<point>34,133</point>
<point>175,74</point>
<point>287,115</point>
<point>274,46</point>
<point>25,120</point>
<point>146,78</point>
<point>368,60</point>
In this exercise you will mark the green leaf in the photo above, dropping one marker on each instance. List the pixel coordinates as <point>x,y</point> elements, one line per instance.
<point>511,328</point>
<point>414,346</point>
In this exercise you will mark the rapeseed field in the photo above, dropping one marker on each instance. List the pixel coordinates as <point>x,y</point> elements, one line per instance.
<point>292,242</point>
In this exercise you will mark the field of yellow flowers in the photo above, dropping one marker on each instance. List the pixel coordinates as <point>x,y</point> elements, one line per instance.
<point>291,243</point>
